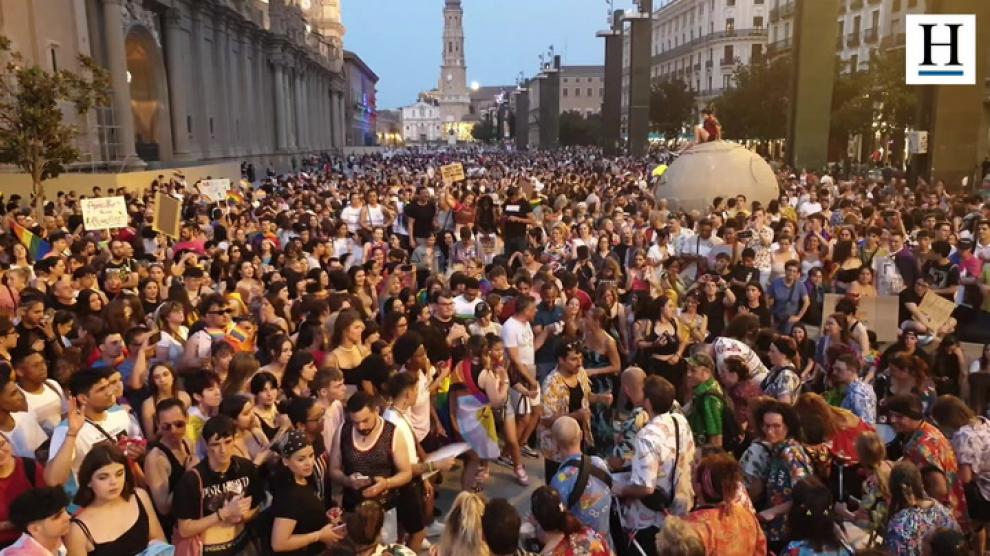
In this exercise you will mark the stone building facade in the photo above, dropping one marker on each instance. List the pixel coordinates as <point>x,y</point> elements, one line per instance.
<point>360,103</point>
<point>196,81</point>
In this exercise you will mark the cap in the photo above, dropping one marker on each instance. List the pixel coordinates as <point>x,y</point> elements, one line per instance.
<point>294,441</point>
<point>701,360</point>
<point>482,310</point>
<point>964,244</point>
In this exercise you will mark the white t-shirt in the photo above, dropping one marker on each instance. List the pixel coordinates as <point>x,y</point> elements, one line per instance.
<point>27,434</point>
<point>419,413</point>
<point>464,308</point>
<point>404,429</point>
<point>518,334</point>
<point>352,217</point>
<point>333,420</point>
<point>47,406</point>
<point>116,423</point>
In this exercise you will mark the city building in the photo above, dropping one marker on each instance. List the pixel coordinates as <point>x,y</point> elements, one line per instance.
<point>582,89</point>
<point>359,101</point>
<point>455,101</point>
<point>700,42</point>
<point>196,81</point>
<point>421,123</point>
<point>863,27</point>
<point>388,124</point>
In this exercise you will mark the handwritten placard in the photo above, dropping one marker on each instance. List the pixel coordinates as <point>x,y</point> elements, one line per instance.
<point>879,313</point>
<point>168,215</point>
<point>104,213</point>
<point>452,173</point>
<point>937,308</point>
<point>214,190</point>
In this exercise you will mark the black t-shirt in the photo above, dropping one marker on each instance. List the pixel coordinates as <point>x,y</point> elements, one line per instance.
<point>907,295</point>
<point>942,276</point>
<point>127,265</point>
<point>300,503</point>
<point>521,209</point>
<point>240,478</point>
<point>423,218</point>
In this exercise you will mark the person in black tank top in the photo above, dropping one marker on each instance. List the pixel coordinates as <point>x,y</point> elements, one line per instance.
<point>376,472</point>
<point>171,417</point>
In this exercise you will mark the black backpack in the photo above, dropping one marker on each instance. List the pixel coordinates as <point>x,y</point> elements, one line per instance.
<point>586,470</point>
<point>732,435</point>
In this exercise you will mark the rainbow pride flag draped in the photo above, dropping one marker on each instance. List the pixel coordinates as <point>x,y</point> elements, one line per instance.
<point>37,247</point>
<point>235,197</point>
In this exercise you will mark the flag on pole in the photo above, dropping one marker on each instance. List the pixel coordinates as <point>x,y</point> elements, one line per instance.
<point>37,247</point>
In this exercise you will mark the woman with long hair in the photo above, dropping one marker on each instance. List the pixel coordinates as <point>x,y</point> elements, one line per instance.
<point>835,341</point>
<point>241,368</point>
<point>805,348</point>
<point>741,388</point>
<point>364,527</point>
<point>846,264</point>
<point>396,324</point>
<point>363,290</point>
<point>112,508</point>
<point>660,346</point>
<point>754,302</point>
<point>248,284</point>
<point>560,533</point>
<point>250,441</point>
<point>607,297</point>
<point>349,349</point>
<point>299,374</point>
<point>89,302</point>
<point>863,287</point>
<point>462,530</point>
<point>118,316</point>
<point>913,515</point>
<point>871,513</point>
<point>278,351</point>
<point>270,310</point>
<point>783,382</point>
<point>150,294</point>
<point>723,515</point>
<point>813,254</point>
<point>264,388</point>
<point>779,257</point>
<point>171,322</point>
<point>162,386</point>
<point>695,329</point>
<point>909,374</point>
<point>969,435</point>
<point>812,524</point>
<point>949,368</point>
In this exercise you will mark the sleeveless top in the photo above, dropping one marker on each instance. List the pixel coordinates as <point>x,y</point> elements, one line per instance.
<point>132,541</point>
<point>269,430</point>
<point>178,469</point>
<point>373,462</point>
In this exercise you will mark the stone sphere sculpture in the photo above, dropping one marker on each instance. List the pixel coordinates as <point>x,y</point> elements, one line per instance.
<point>717,169</point>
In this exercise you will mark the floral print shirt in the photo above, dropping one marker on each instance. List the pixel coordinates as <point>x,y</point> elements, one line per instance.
<point>755,464</point>
<point>789,464</point>
<point>861,399</point>
<point>585,543</point>
<point>972,446</point>
<point>556,400</point>
<point>729,530</point>
<point>592,509</point>
<point>653,465</point>
<point>908,528</point>
<point>625,434</point>
<point>927,446</point>
<point>783,381</point>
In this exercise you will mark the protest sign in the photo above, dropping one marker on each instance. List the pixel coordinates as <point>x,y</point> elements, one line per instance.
<point>937,308</point>
<point>879,313</point>
<point>214,190</point>
<point>452,173</point>
<point>103,213</point>
<point>168,215</point>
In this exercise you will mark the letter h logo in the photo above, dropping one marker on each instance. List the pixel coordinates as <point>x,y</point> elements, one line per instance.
<point>941,49</point>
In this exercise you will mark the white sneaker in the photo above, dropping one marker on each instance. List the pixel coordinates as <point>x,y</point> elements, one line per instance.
<point>434,529</point>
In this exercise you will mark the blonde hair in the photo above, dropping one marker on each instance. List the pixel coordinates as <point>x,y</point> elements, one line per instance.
<point>462,534</point>
<point>677,538</point>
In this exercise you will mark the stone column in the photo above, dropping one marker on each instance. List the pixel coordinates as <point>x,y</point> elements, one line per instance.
<point>343,124</point>
<point>202,109</point>
<point>114,28</point>
<point>280,123</point>
<point>177,57</point>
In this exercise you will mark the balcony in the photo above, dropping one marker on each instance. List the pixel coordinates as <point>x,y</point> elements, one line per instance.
<point>778,47</point>
<point>697,67</point>
<point>774,14</point>
<point>852,39</point>
<point>709,64</point>
<point>892,41</point>
<point>787,10</point>
<point>870,36</point>
<point>728,62</point>
<point>855,5</point>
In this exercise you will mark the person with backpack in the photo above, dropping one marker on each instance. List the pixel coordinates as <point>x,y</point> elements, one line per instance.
<point>583,481</point>
<point>710,414</point>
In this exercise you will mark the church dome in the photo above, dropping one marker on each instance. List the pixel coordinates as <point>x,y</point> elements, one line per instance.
<point>716,169</point>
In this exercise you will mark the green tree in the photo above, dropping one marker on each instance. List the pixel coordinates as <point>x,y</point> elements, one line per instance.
<point>33,135</point>
<point>756,103</point>
<point>484,131</point>
<point>672,106</point>
<point>578,129</point>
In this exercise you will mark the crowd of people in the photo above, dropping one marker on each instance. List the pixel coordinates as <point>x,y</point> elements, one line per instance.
<point>308,364</point>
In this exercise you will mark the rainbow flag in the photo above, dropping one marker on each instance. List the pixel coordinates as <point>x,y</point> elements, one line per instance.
<point>37,247</point>
<point>235,197</point>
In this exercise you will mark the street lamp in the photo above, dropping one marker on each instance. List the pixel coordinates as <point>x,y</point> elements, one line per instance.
<point>475,86</point>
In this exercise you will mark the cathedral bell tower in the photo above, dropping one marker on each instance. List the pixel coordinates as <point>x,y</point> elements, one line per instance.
<point>455,101</point>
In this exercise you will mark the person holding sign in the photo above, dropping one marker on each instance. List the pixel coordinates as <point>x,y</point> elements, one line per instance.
<point>911,317</point>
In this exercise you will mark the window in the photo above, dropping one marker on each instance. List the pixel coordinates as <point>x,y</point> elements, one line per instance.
<point>730,24</point>
<point>565,91</point>
<point>730,3</point>
<point>709,82</point>
<point>727,54</point>
<point>53,54</point>
<point>188,124</point>
<point>856,24</point>
<point>589,91</point>
<point>211,129</point>
<point>854,63</point>
<point>756,53</point>
<point>601,91</point>
<point>565,80</point>
<point>726,80</point>
<point>758,22</point>
<point>577,91</point>
<point>895,6</point>
<point>758,2</point>
<point>875,18</point>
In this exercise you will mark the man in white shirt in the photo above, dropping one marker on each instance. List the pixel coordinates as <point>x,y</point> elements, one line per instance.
<point>696,250</point>
<point>660,482</point>
<point>465,303</point>
<point>91,388</point>
<point>45,398</point>
<point>521,345</point>
<point>678,234</point>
